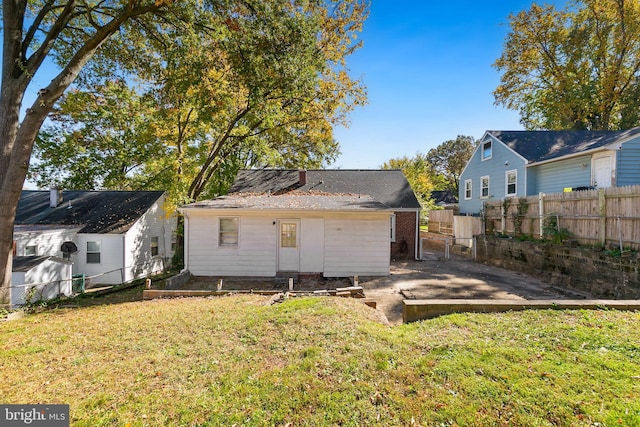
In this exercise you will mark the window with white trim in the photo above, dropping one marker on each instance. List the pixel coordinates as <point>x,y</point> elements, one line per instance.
<point>392,225</point>
<point>484,187</point>
<point>31,250</point>
<point>93,252</point>
<point>154,246</point>
<point>228,231</point>
<point>467,189</point>
<point>487,149</point>
<point>511,180</point>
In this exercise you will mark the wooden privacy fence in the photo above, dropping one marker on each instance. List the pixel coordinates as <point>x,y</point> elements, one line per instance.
<point>441,222</point>
<point>596,217</point>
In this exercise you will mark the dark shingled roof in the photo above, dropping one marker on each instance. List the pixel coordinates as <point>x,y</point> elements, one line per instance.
<point>389,187</point>
<point>26,263</point>
<point>98,212</point>
<point>537,146</point>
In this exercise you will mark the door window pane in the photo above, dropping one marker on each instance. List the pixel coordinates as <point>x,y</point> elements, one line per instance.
<point>288,235</point>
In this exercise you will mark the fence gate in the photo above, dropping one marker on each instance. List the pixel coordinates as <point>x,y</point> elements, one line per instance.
<point>437,248</point>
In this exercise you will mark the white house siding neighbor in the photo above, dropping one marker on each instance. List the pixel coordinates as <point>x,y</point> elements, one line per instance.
<point>336,244</point>
<point>109,269</point>
<point>357,244</point>
<point>138,260</point>
<point>51,278</point>
<point>47,241</point>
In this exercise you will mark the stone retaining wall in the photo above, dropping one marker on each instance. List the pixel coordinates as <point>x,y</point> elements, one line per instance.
<point>178,280</point>
<point>596,272</point>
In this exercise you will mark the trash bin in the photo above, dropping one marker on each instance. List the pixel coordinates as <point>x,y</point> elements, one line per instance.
<point>77,281</point>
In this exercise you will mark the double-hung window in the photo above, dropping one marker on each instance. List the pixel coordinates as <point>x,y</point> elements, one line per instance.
<point>93,252</point>
<point>486,150</point>
<point>467,189</point>
<point>228,231</point>
<point>31,250</point>
<point>511,180</point>
<point>484,187</point>
<point>154,246</point>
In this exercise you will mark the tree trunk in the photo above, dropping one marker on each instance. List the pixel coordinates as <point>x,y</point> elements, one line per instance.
<point>16,137</point>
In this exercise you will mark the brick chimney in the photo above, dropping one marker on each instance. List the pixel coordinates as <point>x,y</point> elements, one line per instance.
<point>302,177</point>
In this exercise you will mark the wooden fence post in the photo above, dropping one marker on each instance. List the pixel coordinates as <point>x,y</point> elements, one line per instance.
<point>541,212</point>
<point>602,220</point>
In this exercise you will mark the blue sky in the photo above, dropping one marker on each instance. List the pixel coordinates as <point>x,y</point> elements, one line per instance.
<point>428,69</point>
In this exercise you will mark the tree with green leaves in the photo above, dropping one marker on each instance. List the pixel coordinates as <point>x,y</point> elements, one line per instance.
<point>97,42</point>
<point>217,109</point>
<point>576,68</point>
<point>420,175</point>
<point>449,159</point>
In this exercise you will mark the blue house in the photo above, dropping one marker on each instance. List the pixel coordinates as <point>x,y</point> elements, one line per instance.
<point>523,163</point>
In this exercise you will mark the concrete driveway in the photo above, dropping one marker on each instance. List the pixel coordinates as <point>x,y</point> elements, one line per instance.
<point>436,278</point>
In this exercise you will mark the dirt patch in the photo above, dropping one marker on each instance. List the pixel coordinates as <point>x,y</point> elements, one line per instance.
<point>437,278</point>
<point>433,278</point>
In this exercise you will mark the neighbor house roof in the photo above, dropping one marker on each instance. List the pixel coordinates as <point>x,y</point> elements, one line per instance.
<point>96,212</point>
<point>295,200</point>
<point>389,187</point>
<point>26,263</point>
<point>538,146</point>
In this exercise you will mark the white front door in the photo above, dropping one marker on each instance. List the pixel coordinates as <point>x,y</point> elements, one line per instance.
<point>602,171</point>
<point>288,245</point>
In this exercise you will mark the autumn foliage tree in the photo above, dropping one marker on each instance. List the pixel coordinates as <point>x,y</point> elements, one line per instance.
<point>256,93</point>
<point>576,68</point>
<point>254,45</point>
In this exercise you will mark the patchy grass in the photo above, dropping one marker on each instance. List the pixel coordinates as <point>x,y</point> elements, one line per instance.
<point>322,361</point>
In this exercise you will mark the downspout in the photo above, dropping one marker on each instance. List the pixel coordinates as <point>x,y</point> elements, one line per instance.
<point>185,242</point>
<point>416,252</point>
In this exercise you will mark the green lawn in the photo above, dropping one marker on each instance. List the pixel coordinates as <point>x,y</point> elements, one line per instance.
<point>322,361</point>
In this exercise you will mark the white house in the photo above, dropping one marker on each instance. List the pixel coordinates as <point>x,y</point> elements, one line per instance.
<point>35,278</point>
<point>264,235</point>
<point>118,235</point>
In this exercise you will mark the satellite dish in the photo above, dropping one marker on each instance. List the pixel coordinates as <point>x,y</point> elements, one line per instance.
<point>67,249</point>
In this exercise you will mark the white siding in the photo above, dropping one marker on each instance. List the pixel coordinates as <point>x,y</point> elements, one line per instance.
<point>109,270</point>
<point>138,261</point>
<point>337,244</point>
<point>51,278</point>
<point>47,241</point>
<point>255,254</point>
<point>312,245</point>
<point>357,245</point>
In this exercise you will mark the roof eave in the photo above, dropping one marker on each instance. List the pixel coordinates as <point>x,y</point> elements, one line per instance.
<point>573,155</point>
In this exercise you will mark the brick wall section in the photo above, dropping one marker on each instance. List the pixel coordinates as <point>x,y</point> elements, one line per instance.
<point>602,275</point>
<point>405,245</point>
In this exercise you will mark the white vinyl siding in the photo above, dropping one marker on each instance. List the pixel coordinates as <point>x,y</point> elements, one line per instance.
<point>357,246</point>
<point>337,244</point>
<point>511,183</point>
<point>48,242</point>
<point>138,259</point>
